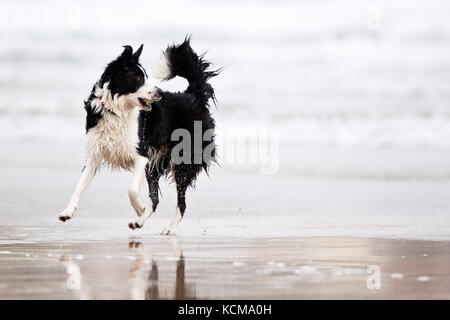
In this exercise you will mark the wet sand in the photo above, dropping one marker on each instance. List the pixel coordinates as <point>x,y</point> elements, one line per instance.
<point>313,231</point>
<point>205,268</point>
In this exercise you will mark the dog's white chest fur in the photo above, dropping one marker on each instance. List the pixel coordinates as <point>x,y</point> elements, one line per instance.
<point>113,140</point>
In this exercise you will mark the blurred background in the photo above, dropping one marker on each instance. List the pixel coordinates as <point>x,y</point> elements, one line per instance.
<point>332,73</point>
<point>357,91</point>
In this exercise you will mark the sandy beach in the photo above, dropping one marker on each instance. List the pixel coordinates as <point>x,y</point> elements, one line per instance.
<point>318,239</point>
<point>345,105</point>
<point>153,267</point>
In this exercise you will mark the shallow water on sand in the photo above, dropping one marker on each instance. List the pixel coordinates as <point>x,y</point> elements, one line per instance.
<point>315,230</point>
<point>214,268</point>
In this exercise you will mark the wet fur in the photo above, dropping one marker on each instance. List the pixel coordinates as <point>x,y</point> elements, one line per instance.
<point>173,111</point>
<point>119,135</point>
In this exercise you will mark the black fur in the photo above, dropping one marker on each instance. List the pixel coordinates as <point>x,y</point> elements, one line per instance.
<point>124,75</point>
<point>174,111</point>
<point>92,116</point>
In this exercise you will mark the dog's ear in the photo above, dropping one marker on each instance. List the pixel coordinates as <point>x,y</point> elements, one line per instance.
<point>138,52</point>
<point>127,53</point>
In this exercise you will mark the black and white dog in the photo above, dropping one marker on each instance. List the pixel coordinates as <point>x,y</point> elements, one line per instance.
<point>129,125</point>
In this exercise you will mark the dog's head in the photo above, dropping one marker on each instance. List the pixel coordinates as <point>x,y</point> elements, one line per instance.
<point>123,86</point>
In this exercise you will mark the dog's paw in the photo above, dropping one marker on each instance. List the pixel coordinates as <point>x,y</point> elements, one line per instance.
<point>168,232</point>
<point>135,225</point>
<point>64,218</point>
<point>67,214</point>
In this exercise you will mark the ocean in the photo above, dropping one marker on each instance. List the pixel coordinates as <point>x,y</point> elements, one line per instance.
<point>344,74</point>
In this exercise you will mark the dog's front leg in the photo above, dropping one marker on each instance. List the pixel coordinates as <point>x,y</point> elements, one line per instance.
<point>86,177</point>
<point>136,183</point>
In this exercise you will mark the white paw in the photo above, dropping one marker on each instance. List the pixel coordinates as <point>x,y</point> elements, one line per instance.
<point>168,232</point>
<point>137,224</point>
<point>66,214</point>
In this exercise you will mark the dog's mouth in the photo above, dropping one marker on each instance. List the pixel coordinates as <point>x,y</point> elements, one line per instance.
<point>146,103</point>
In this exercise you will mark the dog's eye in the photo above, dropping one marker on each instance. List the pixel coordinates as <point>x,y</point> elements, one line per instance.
<point>140,78</point>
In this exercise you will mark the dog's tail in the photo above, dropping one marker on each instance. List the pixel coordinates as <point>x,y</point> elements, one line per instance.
<point>181,60</point>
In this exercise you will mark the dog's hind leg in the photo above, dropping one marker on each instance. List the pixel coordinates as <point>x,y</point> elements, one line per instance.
<point>86,177</point>
<point>184,176</point>
<point>153,173</point>
<point>136,183</point>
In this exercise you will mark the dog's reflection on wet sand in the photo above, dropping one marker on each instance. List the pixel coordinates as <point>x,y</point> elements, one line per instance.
<point>157,268</point>
<point>146,280</point>
<point>146,267</point>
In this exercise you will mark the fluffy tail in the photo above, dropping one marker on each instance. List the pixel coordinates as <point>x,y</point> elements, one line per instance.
<point>181,60</point>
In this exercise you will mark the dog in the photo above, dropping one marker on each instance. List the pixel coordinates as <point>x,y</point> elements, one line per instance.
<point>130,125</point>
